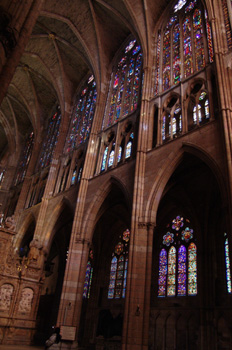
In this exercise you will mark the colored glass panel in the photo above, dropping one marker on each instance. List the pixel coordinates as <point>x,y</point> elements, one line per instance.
<point>228,270</point>
<point>182,271</point>
<point>88,277</point>
<point>192,269</point>
<point>209,37</point>
<point>227,24</point>
<point>190,6</point>
<point>111,158</point>
<point>128,149</point>
<point>176,54</point>
<point>198,40</point>
<point>207,109</point>
<point>188,64</point>
<point>157,64</point>
<point>125,85</point>
<point>50,140</point>
<point>82,115</point>
<point>74,177</point>
<point>179,5</point>
<point>166,60</point>
<point>24,159</point>
<point>171,283</point>
<point>119,154</point>
<point>118,270</point>
<point>104,159</point>
<point>162,273</point>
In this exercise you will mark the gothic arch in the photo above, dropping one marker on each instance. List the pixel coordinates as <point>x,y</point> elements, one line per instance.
<point>64,203</point>
<point>29,220</point>
<point>93,213</point>
<point>168,169</point>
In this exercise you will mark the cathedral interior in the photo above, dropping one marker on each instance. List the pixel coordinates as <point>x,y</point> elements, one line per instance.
<point>116,173</point>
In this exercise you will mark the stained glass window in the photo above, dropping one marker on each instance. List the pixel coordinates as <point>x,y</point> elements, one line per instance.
<point>103,166</point>
<point>24,159</point>
<point>118,268</point>
<point>88,276</point>
<point>125,84</point>
<point>227,24</point>
<point>184,48</point>
<point>198,40</point>
<point>82,115</point>
<point>129,146</point>
<point>227,262</point>
<point>157,69</point>
<point>178,260</point>
<point>119,154</point>
<point>201,109</point>
<point>111,156</point>
<point>74,176</point>
<point>50,140</point>
<point>166,60</point>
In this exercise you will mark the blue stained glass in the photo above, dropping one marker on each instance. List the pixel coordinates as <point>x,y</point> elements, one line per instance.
<point>182,270</point>
<point>74,176</point>
<point>24,159</point>
<point>228,270</point>
<point>104,159</point>
<point>118,269</point>
<point>128,149</point>
<point>125,85</point>
<point>119,154</point>
<point>82,116</point>
<point>50,140</point>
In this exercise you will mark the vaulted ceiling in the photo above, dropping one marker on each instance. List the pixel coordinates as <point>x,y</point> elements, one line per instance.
<point>70,40</point>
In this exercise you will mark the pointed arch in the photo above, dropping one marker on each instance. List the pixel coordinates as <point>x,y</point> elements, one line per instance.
<point>168,169</point>
<point>93,212</point>
<point>64,204</point>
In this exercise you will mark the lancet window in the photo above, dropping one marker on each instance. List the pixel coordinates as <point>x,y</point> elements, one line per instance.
<point>88,276</point>
<point>227,264</point>
<point>178,260</point>
<point>118,268</point>
<point>171,119</point>
<point>82,116</point>
<point>124,92</point>
<point>24,159</point>
<point>184,46</point>
<point>50,140</point>
<point>198,109</point>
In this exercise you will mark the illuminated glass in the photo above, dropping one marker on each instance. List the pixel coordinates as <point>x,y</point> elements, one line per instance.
<point>104,159</point>
<point>228,270</point>
<point>88,276</point>
<point>24,159</point>
<point>125,85</point>
<point>166,60</point>
<point>192,269</point>
<point>119,267</point>
<point>50,140</point>
<point>227,24</point>
<point>178,260</point>
<point>198,40</point>
<point>82,115</point>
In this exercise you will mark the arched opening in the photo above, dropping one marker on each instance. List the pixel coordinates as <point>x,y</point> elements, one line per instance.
<point>102,310</point>
<point>190,215</point>
<point>54,269</point>
<point>25,244</point>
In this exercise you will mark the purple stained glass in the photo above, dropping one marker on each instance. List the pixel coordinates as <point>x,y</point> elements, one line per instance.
<point>168,239</point>
<point>177,223</point>
<point>162,273</point>
<point>182,270</point>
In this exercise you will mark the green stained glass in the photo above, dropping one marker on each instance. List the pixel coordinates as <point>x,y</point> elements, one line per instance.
<point>171,290</point>
<point>192,269</point>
